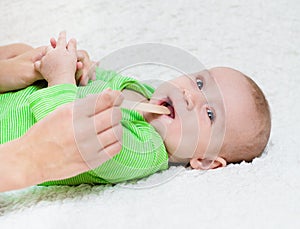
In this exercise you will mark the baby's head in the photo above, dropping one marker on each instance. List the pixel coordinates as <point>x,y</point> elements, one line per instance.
<point>218,116</point>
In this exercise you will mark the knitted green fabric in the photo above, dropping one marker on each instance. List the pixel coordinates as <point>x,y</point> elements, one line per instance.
<point>143,152</point>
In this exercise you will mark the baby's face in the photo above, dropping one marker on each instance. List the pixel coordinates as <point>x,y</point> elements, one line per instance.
<point>202,105</point>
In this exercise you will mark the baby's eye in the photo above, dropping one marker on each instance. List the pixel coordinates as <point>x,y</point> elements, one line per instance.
<point>199,84</point>
<point>210,114</point>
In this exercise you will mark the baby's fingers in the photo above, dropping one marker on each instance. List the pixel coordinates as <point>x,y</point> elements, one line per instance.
<point>61,41</point>
<point>53,42</point>
<point>72,46</point>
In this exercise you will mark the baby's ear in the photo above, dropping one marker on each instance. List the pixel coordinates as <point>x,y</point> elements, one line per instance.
<point>205,164</point>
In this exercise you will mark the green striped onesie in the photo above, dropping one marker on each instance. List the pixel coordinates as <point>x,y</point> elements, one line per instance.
<point>143,152</point>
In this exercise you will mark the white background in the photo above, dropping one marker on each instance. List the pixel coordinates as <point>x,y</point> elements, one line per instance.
<point>260,38</point>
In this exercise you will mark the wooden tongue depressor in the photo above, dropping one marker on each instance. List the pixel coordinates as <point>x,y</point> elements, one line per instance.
<point>148,107</point>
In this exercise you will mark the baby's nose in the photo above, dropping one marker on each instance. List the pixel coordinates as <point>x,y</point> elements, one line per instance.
<point>193,98</point>
<point>188,98</point>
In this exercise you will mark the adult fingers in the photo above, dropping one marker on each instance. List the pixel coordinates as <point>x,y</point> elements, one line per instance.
<point>37,66</point>
<point>37,57</point>
<point>79,73</point>
<point>110,136</point>
<point>79,65</point>
<point>96,149</point>
<point>39,53</point>
<point>61,41</point>
<point>112,149</point>
<point>108,99</point>
<point>83,53</point>
<point>82,80</point>
<point>104,155</point>
<point>80,56</point>
<point>92,70</point>
<point>96,103</point>
<point>107,118</point>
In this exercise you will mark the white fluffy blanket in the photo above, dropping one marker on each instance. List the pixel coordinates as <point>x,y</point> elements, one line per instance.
<point>261,38</point>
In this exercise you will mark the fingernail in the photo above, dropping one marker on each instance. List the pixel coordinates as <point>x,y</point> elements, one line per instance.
<point>107,90</point>
<point>37,64</point>
<point>119,99</point>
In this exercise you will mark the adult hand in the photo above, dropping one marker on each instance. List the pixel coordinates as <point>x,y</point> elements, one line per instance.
<point>13,50</point>
<point>18,72</point>
<point>74,138</point>
<point>85,68</point>
<point>77,137</point>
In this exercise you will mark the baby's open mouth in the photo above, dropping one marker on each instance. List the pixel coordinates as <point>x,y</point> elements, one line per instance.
<point>168,104</point>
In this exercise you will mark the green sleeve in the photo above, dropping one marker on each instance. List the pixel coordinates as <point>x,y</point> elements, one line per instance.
<point>46,100</point>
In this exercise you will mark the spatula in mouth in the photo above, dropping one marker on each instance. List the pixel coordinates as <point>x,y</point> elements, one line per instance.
<point>147,107</point>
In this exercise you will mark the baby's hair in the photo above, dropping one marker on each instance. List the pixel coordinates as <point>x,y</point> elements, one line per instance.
<point>256,144</point>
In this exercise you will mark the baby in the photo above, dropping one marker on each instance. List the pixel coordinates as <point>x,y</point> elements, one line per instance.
<point>245,116</point>
<point>216,117</point>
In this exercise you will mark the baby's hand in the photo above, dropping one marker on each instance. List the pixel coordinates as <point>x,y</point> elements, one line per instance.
<point>85,66</point>
<point>58,65</point>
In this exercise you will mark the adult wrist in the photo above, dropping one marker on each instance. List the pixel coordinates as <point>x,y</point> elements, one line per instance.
<point>17,168</point>
<point>6,75</point>
<point>30,167</point>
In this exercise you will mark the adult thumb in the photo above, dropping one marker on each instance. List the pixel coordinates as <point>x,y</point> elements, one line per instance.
<point>37,66</point>
<point>39,53</point>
